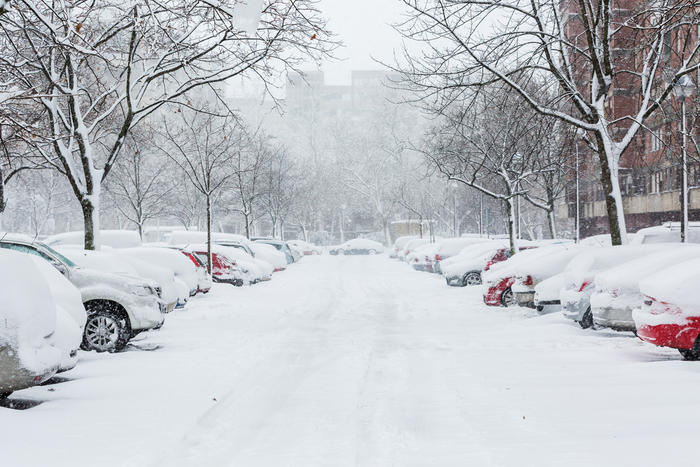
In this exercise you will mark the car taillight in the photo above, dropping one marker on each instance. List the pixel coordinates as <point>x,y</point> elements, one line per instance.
<point>528,281</point>
<point>648,302</point>
<point>488,265</point>
<point>584,285</point>
<point>438,258</point>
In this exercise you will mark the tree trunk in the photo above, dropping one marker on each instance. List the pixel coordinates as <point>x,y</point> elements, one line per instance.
<point>247,226</point>
<point>510,212</point>
<point>387,233</point>
<point>613,196</point>
<point>209,259</point>
<point>91,222</point>
<point>552,224</point>
<point>3,204</point>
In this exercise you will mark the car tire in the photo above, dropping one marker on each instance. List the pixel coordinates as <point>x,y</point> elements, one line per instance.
<point>471,278</point>
<point>507,298</point>
<point>372,252</point>
<point>105,331</point>
<point>691,355</point>
<point>587,320</point>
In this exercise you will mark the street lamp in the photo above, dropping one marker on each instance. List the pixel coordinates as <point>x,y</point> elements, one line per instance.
<point>683,89</point>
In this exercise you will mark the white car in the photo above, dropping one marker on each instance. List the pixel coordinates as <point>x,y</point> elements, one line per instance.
<point>450,247</point>
<point>399,245</point>
<point>118,306</point>
<point>70,313</point>
<point>253,270</point>
<point>423,257</point>
<point>668,232</point>
<point>183,268</point>
<point>547,294</point>
<point>582,271</point>
<point>269,253</point>
<point>466,267</point>
<point>27,322</point>
<point>410,246</point>
<point>617,292</point>
<point>358,246</point>
<point>108,261</point>
<point>305,248</point>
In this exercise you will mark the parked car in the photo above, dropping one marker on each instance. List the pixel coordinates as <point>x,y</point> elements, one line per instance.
<point>222,269</point>
<point>423,257</point>
<point>163,280</point>
<point>529,275</point>
<point>500,277</point>
<point>617,291</point>
<point>167,258</point>
<point>547,294</point>
<point>410,246</point>
<point>109,238</point>
<point>268,252</point>
<point>450,247</point>
<point>465,268</point>
<point>251,269</point>
<point>668,232</point>
<point>305,248</point>
<point>670,312</point>
<point>28,356</point>
<point>358,246</point>
<point>582,270</point>
<point>399,245</point>
<point>118,306</point>
<point>204,281</point>
<point>282,247</point>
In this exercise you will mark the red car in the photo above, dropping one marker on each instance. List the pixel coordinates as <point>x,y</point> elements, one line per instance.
<point>204,284</point>
<point>500,293</point>
<point>222,268</point>
<point>670,313</point>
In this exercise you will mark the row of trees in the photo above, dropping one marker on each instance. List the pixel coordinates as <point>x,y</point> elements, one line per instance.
<point>79,79</point>
<point>514,83</point>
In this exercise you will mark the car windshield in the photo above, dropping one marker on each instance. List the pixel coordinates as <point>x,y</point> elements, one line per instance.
<point>58,255</point>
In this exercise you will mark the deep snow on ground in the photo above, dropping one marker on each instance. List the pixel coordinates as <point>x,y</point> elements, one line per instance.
<point>360,361</point>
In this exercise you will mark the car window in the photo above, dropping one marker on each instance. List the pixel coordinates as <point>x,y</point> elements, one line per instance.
<point>25,249</point>
<point>58,255</point>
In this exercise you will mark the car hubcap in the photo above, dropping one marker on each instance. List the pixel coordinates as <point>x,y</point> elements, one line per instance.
<point>508,298</point>
<point>472,279</point>
<point>102,332</point>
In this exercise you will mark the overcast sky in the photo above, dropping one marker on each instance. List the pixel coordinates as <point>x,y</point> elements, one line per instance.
<point>364,27</point>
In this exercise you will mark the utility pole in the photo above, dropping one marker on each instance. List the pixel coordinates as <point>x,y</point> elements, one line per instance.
<point>578,201</point>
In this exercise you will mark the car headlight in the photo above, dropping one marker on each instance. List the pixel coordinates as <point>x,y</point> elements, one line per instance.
<point>141,290</point>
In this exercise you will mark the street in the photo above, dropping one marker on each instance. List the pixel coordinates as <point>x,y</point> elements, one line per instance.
<point>361,361</point>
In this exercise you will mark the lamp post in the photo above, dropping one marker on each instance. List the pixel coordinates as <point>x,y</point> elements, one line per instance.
<point>685,88</point>
<point>454,209</point>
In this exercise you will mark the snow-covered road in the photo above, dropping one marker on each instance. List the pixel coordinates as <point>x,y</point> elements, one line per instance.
<point>360,361</point>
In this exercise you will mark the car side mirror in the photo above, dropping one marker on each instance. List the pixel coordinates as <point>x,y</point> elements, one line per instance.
<point>60,267</point>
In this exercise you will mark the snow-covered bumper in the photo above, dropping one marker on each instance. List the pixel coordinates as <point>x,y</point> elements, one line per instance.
<point>614,312</point>
<point>574,304</point>
<point>524,295</point>
<point>666,325</point>
<point>454,281</point>
<point>494,292</point>
<point>146,313</point>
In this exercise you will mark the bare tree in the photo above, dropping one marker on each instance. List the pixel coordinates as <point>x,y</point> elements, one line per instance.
<point>203,145</point>
<point>141,182</point>
<point>582,52</point>
<point>280,189</point>
<point>101,68</point>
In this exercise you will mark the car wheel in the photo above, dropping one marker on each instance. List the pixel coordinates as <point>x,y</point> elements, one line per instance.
<point>472,278</point>
<point>372,252</point>
<point>105,332</point>
<point>341,252</point>
<point>690,354</point>
<point>5,395</point>
<point>507,298</point>
<point>587,320</point>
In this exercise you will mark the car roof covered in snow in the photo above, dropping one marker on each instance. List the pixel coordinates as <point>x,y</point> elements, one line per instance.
<point>110,238</point>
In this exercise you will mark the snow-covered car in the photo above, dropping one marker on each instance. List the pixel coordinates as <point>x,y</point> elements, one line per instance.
<point>451,247</point>
<point>582,270</point>
<point>529,275</point>
<point>204,281</point>
<point>163,280</point>
<point>268,253</point>
<point>118,306</point>
<point>411,245</point>
<point>305,248</point>
<point>108,238</point>
<point>465,268</point>
<point>222,269</point>
<point>70,313</point>
<point>668,232</point>
<point>423,257</point>
<point>358,246</point>
<point>290,255</point>
<point>500,277</point>
<point>167,258</point>
<point>399,245</point>
<point>669,315</point>
<point>252,269</point>
<point>617,291</point>
<point>27,322</point>
<point>547,294</point>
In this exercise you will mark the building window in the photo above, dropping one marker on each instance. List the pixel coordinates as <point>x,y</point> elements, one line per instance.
<point>657,142</point>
